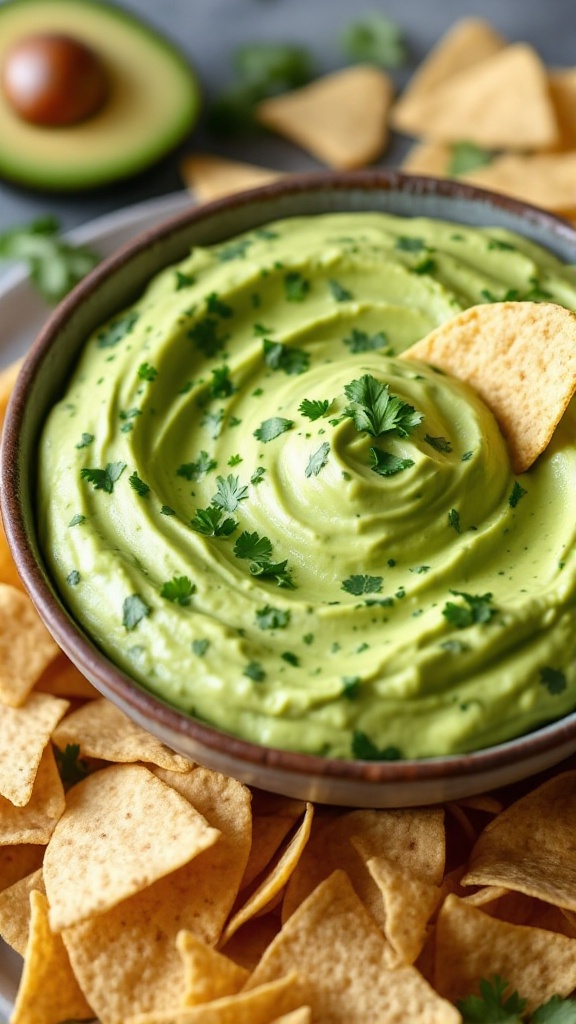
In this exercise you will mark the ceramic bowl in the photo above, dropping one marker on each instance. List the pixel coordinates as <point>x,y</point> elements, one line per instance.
<point>115,283</point>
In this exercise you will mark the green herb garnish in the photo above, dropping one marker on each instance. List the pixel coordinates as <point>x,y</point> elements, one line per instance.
<point>440,444</point>
<point>477,609</point>
<point>116,331</point>
<point>104,479</point>
<point>138,485</point>
<point>386,463</point>
<point>229,493</point>
<point>272,618</point>
<point>314,408</point>
<point>318,460</point>
<point>54,265</point>
<point>376,411</point>
<point>362,585</point>
<point>553,680</point>
<point>71,767</point>
<point>197,470</point>
<point>360,341</point>
<point>291,360</point>
<point>269,429</point>
<point>210,522</point>
<point>467,156</point>
<point>375,40</point>
<point>134,610</point>
<point>296,287</point>
<point>365,750</point>
<point>179,590</point>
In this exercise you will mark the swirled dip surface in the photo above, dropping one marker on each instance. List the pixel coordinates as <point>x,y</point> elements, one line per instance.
<point>217,515</point>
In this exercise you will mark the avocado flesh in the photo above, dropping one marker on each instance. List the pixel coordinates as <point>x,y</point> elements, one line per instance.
<point>153,102</point>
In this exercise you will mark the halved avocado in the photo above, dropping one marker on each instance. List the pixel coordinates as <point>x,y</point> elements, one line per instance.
<point>153,98</point>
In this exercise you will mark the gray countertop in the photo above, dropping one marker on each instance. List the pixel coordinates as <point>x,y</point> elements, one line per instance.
<point>209,30</point>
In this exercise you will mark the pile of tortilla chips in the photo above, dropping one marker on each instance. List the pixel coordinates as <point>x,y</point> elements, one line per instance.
<point>142,889</point>
<point>484,110</point>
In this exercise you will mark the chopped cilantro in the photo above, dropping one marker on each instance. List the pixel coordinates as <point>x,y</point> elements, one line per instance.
<point>339,293</point>
<point>318,460</point>
<point>167,511</point>
<point>199,647</point>
<point>296,287</point>
<point>491,1006</point>
<point>440,444</point>
<point>375,40</point>
<point>221,386</point>
<point>420,569</point>
<point>269,429</point>
<point>71,767</point>
<point>129,414</point>
<point>359,341</point>
<point>197,470</point>
<point>134,609</point>
<point>376,411</point>
<point>205,336</point>
<point>477,609</point>
<point>365,750</point>
<point>455,646</point>
<point>104,479</point>
<point>454,520</point>
<point>213,422</point>
<point>351,687</point>
<point>179,590</point>
<point>467,456</point>
<point>253,546</point>
<point>73,578</point>
<point>261,331</point>
<point>77,520</point>
<point>234,460</point>
<point>408,243</point>
<point>467,156</point>
<point>362,585</point>
<point>116,331</point>
<point>291,360</point>
<point>229,493</point>
<point>217,307</point>
<point>183,280</point>
<point>85,440</point>
<point>516,494</point>
<point>272,618</point>
<point>255,671</point>
<point>308,638</point>
<point>425,266</point>
<point>553,680</point>
<point>210,522</point>
<point>138,485</point>
<point>314,408</point>
<point>386,463</point>
<point>234,250</point>
<point>290,658</point>
<point>147,372</point>
<point>257,475</point>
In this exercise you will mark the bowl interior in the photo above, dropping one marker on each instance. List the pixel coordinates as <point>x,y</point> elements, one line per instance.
<point>111,287</point>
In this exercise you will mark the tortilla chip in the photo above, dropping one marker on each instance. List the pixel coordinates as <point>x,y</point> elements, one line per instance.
<point>529,847</point>
<point>467,42</point>
<point>563,92</point>
<point>428,158</point>
<point>126,959</point>
<point>257,1006</point>
<point>471,945</point>
<point>18,861</point>
<point>544,179</point>
<point>272,818</point>
<point>101,730</point>
<point>516,908</point>
<point>123,829</point>
<point>15,910</point>
<point>62,679</point>
<point>341,118</point>
<point>520,357</point>
<point>408,907</point>
<point>48,990</point>
<point>25,732</point>
<point>26,647</point>
<point>342,959</point>
<point>207,974</point>
<point>501,102</point>
<point>300,1016</point>
<point>410,838</point>
<point>270,886</point>
<point>36,821</point>
<point>482,802</point>
<point>210,177</point>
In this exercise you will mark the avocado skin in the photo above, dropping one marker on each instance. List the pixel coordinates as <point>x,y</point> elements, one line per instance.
<point>153,105</point>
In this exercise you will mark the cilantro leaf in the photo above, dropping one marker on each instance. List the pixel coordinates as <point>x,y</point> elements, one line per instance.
<point>467,156</point>
<point>386,463</point>
<point>77,520</point>
<point>359,341</point>
<point>362,585</point>
<point>71,767</point>
<point>254,671</point>
<point>230,493</point>
<point>134,610</point>
<point>273,67</point>
<point>205,336</point>
<point>490,1007</point>
<point>221,386</point>
<point>340,293</point>
<point>318,460</point>
<point>409,243</point>
<point>138,485</point>
<point>440,444</point>
<point>269,429</point>
<point>553,679</point>
<point>291,360</point>
<point>210,522</point>
<point>217,307</point>
<point>376,411</point>
<point>272,618</point>
<point>73,578</point>
<point>84,441</point>
<point>104,479</point>
<point>314,408</point>
<point>476,610</point>
<point>365,750</point>
<point>454,520</point>
<point>253,546</point>
<point>179,590</point>
<point>54,265</point>
<point>375,40</point>
<point>257,475</point>
<point>296,287</point>
<point>196,470</point>
<point>116,331</point>
<point>199,647</point>
<point>516,494</point>
<point>555,1011</point>
<point>147,372</point>
<point>277,571</point>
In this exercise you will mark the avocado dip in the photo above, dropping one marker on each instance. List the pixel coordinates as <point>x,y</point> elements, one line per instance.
<point>276,524</point>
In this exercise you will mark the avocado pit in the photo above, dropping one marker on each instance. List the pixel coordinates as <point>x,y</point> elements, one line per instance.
<point>53,80</point>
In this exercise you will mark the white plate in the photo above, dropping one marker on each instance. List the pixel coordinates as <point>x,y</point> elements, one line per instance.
<point>22,314</point>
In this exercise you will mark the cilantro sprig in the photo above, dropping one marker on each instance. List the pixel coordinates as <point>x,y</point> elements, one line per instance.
<point>54,265</point>
<point>103,479</point>
<point>258,550</point>
<point>476,609</point>
<point>496,1004</point>
<point>376,411</point>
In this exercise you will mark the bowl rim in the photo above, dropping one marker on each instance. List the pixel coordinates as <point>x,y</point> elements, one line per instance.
<point>111,680</point>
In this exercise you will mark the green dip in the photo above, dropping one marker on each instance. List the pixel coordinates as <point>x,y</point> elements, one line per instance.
<point>218,517</point>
